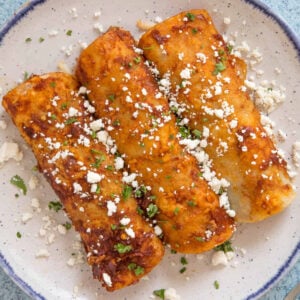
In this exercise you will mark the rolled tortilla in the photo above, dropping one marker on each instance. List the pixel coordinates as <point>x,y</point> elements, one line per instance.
<point>137,116</point>
<point>54,119</point>
<point>204,83</point>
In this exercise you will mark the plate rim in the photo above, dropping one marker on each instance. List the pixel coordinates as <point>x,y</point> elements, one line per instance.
<point>256,4</point>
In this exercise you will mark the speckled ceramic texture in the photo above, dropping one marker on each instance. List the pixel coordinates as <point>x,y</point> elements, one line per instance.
<point>262,274</point>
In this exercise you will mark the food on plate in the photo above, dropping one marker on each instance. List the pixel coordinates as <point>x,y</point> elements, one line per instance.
<point>55,119</point>
<point>204,84</point>
<point>137,116</point>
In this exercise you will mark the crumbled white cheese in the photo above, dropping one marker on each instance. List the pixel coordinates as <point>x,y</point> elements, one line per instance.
<point>125,221</point>
<point>42,253</point>
<point>107,279</point>
<point>10,150</point>
<point>227,20</point>
<point>33,182</point>
<point>119,163</point>
<point>26,217</point>
<point>171,294</point>
<point>3,124</point>
<point>296,154</point>
<point>111,208</point>
<point>130,232</point>
<point>219,258</point>
<point>93,177</point>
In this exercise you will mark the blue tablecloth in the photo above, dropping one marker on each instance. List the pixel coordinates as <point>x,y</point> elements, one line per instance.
<point>290,11</point>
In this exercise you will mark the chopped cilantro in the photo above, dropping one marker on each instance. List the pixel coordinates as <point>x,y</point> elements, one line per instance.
<point>152,210</point>
<point>41,39</point>
<point>190,16</point>
<point>70,121</point>
<point>176,211</point>
<point>183,260</point>
<point>116,123</point>
<point>225,247</point>
<point>111,97</point>
<point>138,270</point>
<point>173,251</point>
<point>126,192</point>
<point>69,32</point>
<point>56,206</point>
<point>110,168</point>
<point>139,211</point>
<point>53,117</point>
<point>195,30</point>
<point>19,235</point>
<point>197,133</point>
<point>229,48</point>
<point>98,189</point>
<point>53,84</point>
<point>121,248</point>
<point>140,192</point>
<point>184,131</point>
<point>216,285</point>
<point>191,203</point>
<point>67,225</point>
<point>26,76</point>
<point>94,151</point>
<point>98,161</point>
<point>64,105</point>
<point>94,134</point>
<point>113,226</point>
<point>137,59</point>
<point>219,67</point>
<point>28,40</point>
<point>199,239</point>
<point>182,270</point>
<point>160,293</point>
<point>19,183</point>
<point>221,191</point>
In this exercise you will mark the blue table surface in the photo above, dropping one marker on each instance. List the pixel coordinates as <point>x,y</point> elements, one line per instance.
<point>289,10</point>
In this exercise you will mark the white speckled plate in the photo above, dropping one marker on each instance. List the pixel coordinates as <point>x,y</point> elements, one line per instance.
<point>271,246</point>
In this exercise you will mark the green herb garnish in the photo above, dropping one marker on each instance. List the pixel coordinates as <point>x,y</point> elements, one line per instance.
<point>183,261</point>
<point>19,235</point>
<point>137,60</point>
<point>140,192</point>
<point>138,270</point>
<point>190,16</point>
<point>219,67</point>
<point>69,32</point>
<point>26,76</point>
<point>191,203</point>
<point>225,247</point>
<point>28,40</point>
<point>71,121</point>
<point>199,239</point>
<point>126,192</point>
<point>152,210</point>
<point>56,206</point>
<point>176,211</point>
<point>67,225</point>
<point>160,293</point>
<point>19,183</point>
<point>216,285</point>
<point>182,270</point>
<point>121,248</point>
<point>197,133</point>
